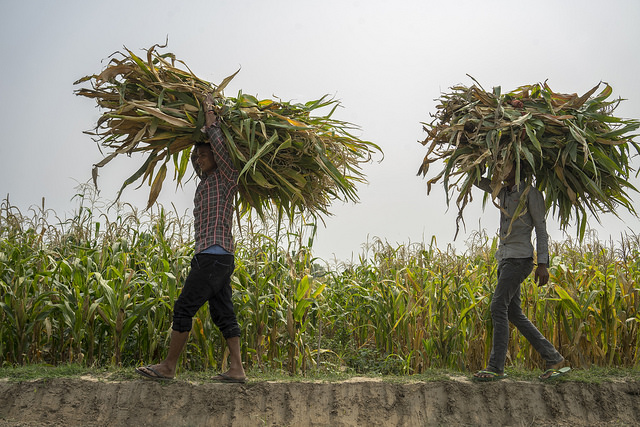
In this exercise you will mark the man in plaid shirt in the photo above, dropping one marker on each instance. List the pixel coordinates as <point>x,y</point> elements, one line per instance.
<point>213,263</point>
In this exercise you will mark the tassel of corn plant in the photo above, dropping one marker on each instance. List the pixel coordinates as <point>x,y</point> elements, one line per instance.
<point>289,160</point>
<point>575,148</point>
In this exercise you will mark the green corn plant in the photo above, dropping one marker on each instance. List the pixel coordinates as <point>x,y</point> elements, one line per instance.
<point>23,304</point>
<point>299,322</point>
<point>24,315</point>
<point>98,289</point>
<point>255,290</point>
<point>121,306</point>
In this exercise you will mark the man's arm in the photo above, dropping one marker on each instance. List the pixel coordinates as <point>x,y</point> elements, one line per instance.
<point>542,274</point>
<point>483,184</point>
<point>537,210</point>
<point>221,154</point>
<point>216,140</point>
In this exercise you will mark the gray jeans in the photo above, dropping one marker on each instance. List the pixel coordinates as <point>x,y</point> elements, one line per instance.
<point>505,307</point>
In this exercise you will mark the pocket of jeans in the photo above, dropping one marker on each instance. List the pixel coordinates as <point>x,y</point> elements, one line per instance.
<point>225,262</point>
<point>218,262</point>
<point>527,267</point>
<point>219,269</point>
<point>205,261</point>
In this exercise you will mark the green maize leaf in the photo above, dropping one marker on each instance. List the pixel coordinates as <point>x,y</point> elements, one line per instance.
<point>534,139</point>
<point>568,301</point>
<point>133,178</point>
<point>297,177</point>
<point>261,180</point>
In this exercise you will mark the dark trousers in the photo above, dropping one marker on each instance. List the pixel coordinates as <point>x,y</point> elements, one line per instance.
<point>209,280</point>
<point>505,308</point>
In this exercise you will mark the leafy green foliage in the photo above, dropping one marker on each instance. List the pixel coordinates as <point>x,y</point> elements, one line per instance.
<point>578,152</point>
<point>291,161</point>
<point>98,289</point>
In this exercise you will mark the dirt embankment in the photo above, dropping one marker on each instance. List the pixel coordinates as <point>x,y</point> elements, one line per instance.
<point>356,402</point>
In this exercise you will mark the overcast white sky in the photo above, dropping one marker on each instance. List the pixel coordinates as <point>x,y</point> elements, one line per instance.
<point>386,61</point>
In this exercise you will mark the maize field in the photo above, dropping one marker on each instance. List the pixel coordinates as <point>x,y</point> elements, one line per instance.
<point>97,289</point>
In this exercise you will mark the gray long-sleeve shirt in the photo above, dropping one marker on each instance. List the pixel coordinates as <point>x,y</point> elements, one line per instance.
<point>517,243</point>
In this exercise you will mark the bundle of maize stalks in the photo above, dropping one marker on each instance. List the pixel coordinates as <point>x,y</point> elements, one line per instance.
<point>572,148</point>
<point>289,160</point>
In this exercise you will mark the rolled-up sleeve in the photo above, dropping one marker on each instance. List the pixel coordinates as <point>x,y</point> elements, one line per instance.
<point>223,158</point>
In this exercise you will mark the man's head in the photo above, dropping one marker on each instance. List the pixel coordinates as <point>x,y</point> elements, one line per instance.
<point>205,159</point>
<point>510,179</point>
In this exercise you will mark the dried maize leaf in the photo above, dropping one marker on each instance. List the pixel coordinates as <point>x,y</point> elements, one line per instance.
<point>570,146</point>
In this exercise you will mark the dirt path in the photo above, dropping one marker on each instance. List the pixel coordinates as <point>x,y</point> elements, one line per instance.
<point>356,402</point>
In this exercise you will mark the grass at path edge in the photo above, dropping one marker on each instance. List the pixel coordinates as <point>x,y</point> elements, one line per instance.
<point>41,371</point>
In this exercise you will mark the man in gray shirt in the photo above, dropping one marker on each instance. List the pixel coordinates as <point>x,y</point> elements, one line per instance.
<point>515,263</point>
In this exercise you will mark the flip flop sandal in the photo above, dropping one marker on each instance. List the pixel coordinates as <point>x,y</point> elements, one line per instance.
<point>153,375</point>
<point>224,378</point>
<point>485,376</point>
<point>554,373</point>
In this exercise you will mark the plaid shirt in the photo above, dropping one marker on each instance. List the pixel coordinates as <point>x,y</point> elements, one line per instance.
<point>214,199</point>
